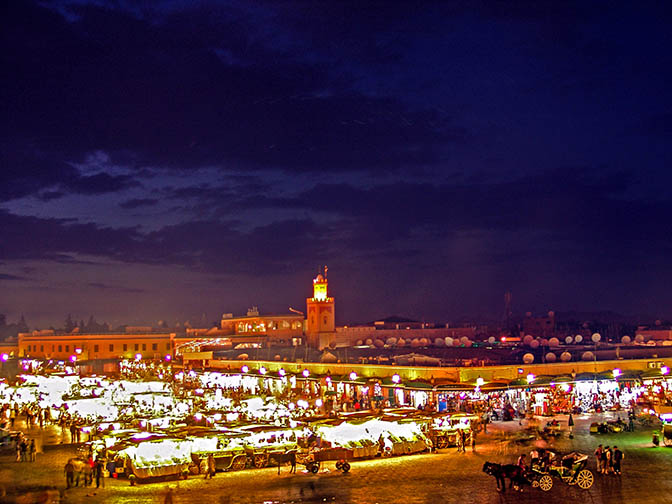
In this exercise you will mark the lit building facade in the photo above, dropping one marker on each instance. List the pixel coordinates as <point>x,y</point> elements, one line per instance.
<point>84,347</point>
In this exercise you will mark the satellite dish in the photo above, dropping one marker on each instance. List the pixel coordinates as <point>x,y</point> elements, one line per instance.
<point>528,339</point>
<point>596,337</point>
<point>534,344</point>
<point>550,357</point>
<point>565,356</point>
<point>626,340</point>
<point>568,340</point>
<point>578,338</point>
<point>491,340</point>
<point>439,342</point>
<point>449,341</point>
<point>528,358</point>
<point>588,356</point>
<point>554,342</point>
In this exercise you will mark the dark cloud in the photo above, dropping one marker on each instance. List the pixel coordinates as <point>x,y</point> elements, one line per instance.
<point>138,203</point>
<point>120,84</point>
<point>102,286</point>
<point>7,276</point>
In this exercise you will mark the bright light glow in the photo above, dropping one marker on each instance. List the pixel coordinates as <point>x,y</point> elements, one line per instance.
<point>302,404</point>
<point>198,417</point>
<point>4,357</point>
<point>305,373</point>
<point>245,368</point>
<point>168,357</point>
<point>218,417</point>
<point>503,338</point>
<point>328,379</point>
<point>616,372</point>
<point>291,406</point>
<point>530,378</point>
<point>663,370</point>
<point>353,376</point>
<point>138,356</point>
<point>480,382</point>
<point>73,358</point>
<point>396,378</point>
<point>143,423</point>
<point>78,351</point>
<point>262,370</point>
<point>318,403</point>
<point>281,372</point>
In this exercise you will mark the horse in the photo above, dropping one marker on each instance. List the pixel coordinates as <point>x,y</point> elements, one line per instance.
<point>282,458</point>
<point>515,474</point>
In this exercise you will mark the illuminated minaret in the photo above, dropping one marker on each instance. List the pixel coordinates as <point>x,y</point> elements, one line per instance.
<point>320,323</point>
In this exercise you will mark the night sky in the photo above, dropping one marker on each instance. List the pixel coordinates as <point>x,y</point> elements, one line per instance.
<point>177,160</point>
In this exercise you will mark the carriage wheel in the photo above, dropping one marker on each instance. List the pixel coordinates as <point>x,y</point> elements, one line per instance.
<point>545,482</point>
<point>585,479</point>
<point>338,465</point>
<point>442,443</point>
<point>535,483</point>
<point>345,467</point>
<point>667,441</point>
<point>260,460</point>
<point>239,463</point>
<point>314,468</point>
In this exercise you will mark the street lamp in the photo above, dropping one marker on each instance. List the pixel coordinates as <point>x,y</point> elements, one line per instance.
<point>396,378</point>
<point>663,369</point>
<point>305,373</point>
<point>245,368</point>
<point>616,372</point>
<point>530,378</point>
<point>480,382</point>
<point>281,372</point>
<point>262,370</point>
<point>353,376</point>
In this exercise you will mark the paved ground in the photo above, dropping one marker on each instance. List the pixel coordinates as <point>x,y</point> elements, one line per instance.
<point>426,478</point>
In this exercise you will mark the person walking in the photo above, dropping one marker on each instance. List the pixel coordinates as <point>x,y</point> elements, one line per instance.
<point>608,459</point>
<point>570,423</point>
<point>598,458</point>
<point>169,496</point>
<point>617,459</point>
<point>69,475</point>
<point>473,441</point>
<point>24,450</point>
<point>98,469</point>
<point>32,449</point>
<point>211,467</point>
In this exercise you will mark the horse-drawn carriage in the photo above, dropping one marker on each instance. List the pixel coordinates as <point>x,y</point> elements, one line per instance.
<point>570,468</point>
<point>609,427</point>
<point>313,459</point>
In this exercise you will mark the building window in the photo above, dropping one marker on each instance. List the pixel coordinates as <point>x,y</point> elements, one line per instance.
<point>95,348</point>
<point>136,347</point>
<point>67,348</point>
<point>325,320</point>
<point>167,346</point>
<point>52,348</point>
<point>60,348</point>
<point>125,347</point>
<point>144,346</point>
<point>41,348</point>
<point>155,346</point>
<point>111,348</point>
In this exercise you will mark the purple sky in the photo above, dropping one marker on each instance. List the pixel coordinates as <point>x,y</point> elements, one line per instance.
<point>176,160</point>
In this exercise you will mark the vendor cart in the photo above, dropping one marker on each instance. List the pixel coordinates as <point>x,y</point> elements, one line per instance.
<point>313,459</point>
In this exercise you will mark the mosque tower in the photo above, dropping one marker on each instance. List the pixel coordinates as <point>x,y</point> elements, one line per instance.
<point>320,313</point>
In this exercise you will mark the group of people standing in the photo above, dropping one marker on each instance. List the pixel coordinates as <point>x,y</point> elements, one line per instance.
<point>26,451</point>
<point>609,460</point>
